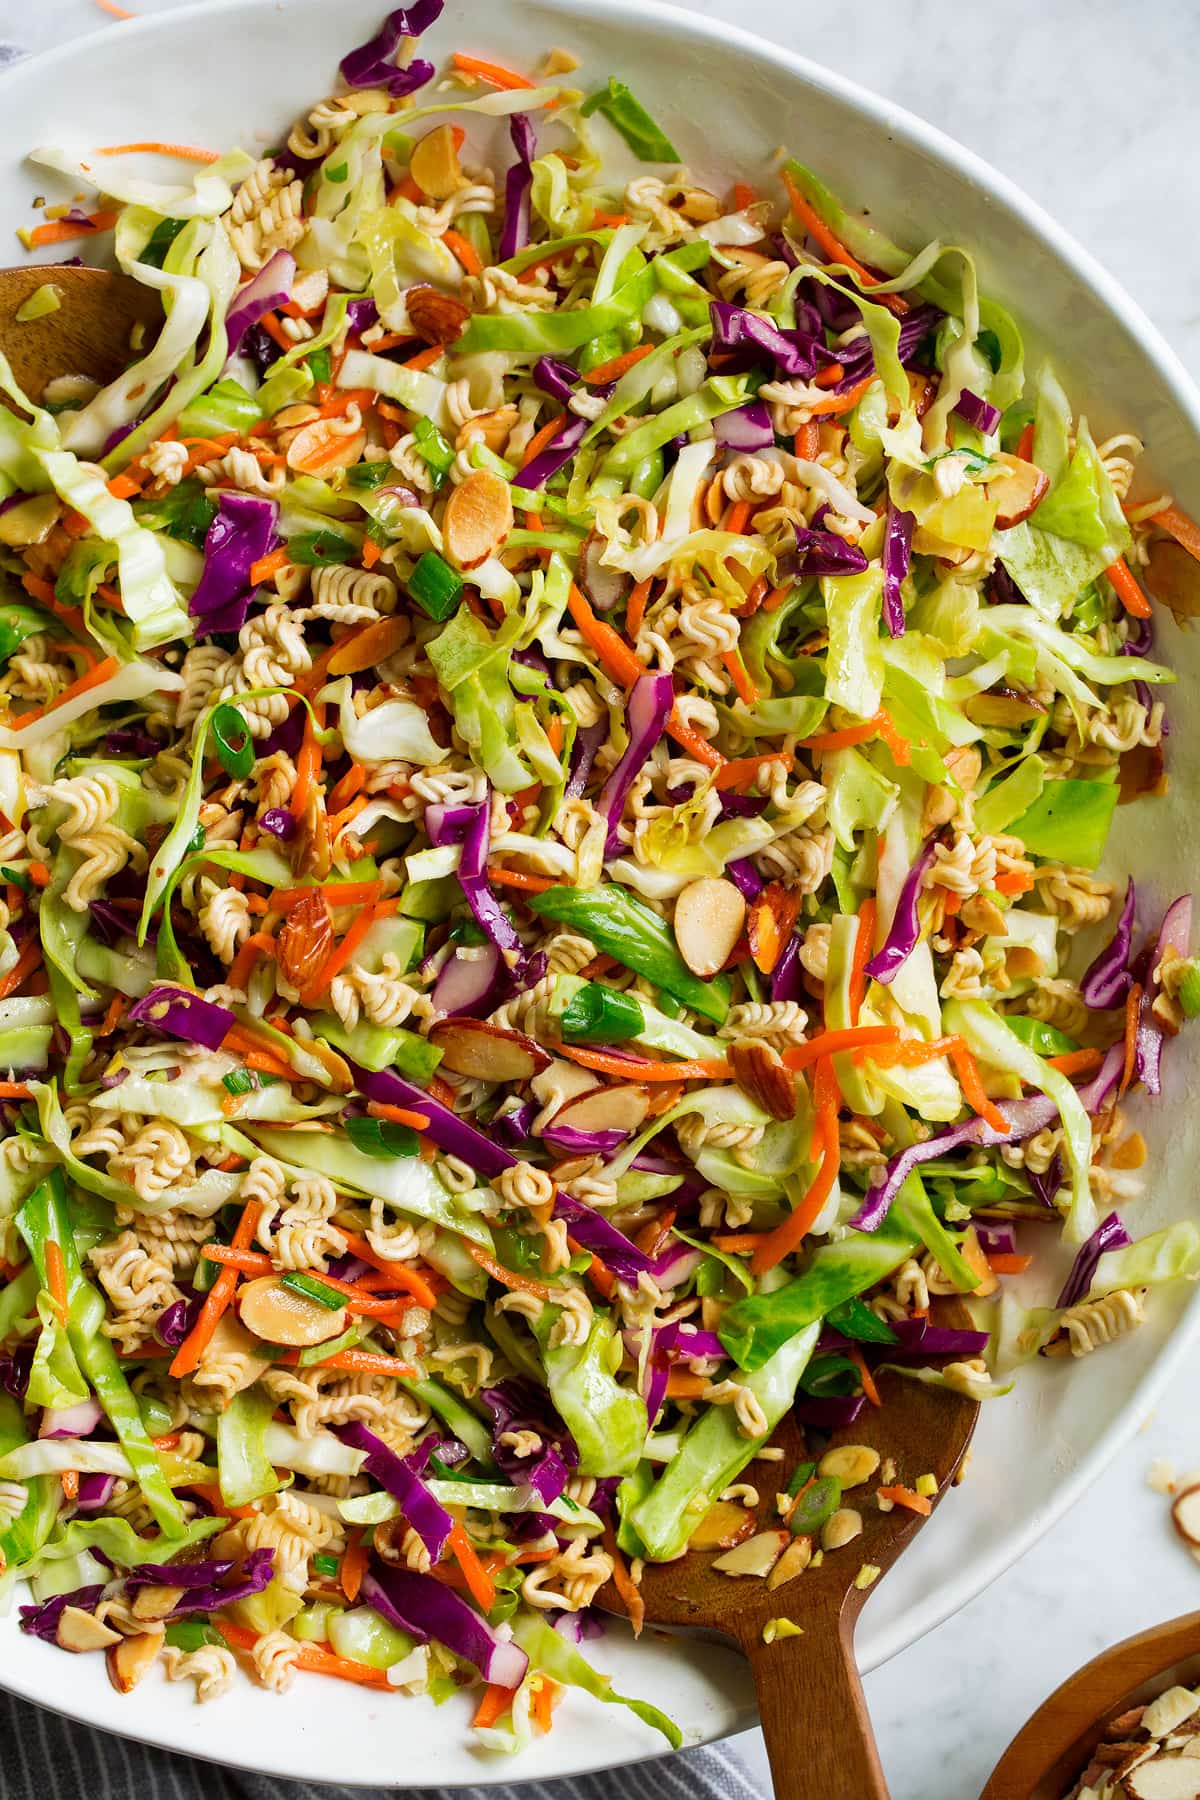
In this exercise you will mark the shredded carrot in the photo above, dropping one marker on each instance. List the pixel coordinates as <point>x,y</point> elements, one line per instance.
<point>308,1656</point>
<point>743,196</point>
<point>1013,881</point>
<point>879,725</point>
<point>517,878</point>
<point>39,874</point>
<point>494,73</point>
<point>617,366</point>
<point>794,1229</point>
<point>734,1242</point>
<point>401,1275</point>
<point>899,746</point>
<point>274,330</point>
<point>188,1355</point>
<point>545,1691</point>
<point>1185,531</point>
<point>495,1703</point>
<point>832,245</point>
<point>1076,1062</point>
<point>56,1277</point>
<point>371,553</point>
<point>115,11</point>
<point>465,251</point>
<point>61,231</point>
<point>247,1262</point>
<point>261,944</point>
<point>602,221</point>
<point>351,783</point>
<point>738,673</point>
<point>827,377</point>
<point>638,1069</point>
<point>399,1115</point>
<point>268,565</point>
<point>508,1277</point>
<point>865,1375</point>
<point>690,740</point>
<point>364,1362</point>
<point>969,1079</point>
<point>683,1385</point>
<point>540,439</point>
<point>626,1586</point>
<point>424,359</point>
<point>635,610</point>
<point>1133,1007</point>
<point>185,152</point>
<point>211,1493</point>
<point>1005,1262</point>
<point>742,771</point>
<point>864,944</point>
<point>24,966</point>
<point>367,648</point>
<point>112,1017</point>
<point>907,1497</point>
<point>846,402</point>
<point>807,442</point>
<point>829,1043</point>
<point>354,1566</point>
<point>1025,443</point>
<point>1128,592</point>
<point>94,677</point>
<point>483,1588</point>
<point>737,518</point>
<point>16,1090</point>
<point>122,487</point>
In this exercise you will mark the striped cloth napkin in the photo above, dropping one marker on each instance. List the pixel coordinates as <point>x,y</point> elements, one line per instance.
<point>45,1754</point>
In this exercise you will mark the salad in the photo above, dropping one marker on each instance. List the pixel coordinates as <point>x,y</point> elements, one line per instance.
<point>558,726</point>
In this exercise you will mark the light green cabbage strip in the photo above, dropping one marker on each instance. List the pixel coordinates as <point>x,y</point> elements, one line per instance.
<point>607,1421</point>
<point>854,664</point>
<point>1172,1254</point>
<point>243,1468</point>
<point>551,1654</point>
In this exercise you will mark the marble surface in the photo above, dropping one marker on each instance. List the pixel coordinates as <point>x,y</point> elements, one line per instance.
<point>1088,104</point>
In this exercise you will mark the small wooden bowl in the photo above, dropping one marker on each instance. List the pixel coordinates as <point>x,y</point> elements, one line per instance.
<point>1048,1755</point>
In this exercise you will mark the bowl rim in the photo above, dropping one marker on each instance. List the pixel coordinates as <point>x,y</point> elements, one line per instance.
<point>893,120</point>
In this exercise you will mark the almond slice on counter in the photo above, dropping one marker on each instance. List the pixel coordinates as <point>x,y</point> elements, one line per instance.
<point>478,518</point>
<point>709,916</point>
<point>487,1052</point>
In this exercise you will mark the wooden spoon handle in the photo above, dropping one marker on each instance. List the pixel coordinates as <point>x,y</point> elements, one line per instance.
<point>814,1717</point>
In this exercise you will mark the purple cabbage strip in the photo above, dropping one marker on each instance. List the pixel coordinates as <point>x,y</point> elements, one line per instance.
<point>472,989</point>
<point>174,1322</point>
<point>516,1404</point>
<point>240,534</point>
<point>14,1371</point>
<point>647,712</point>
<point>426,1608</point>
<point>127,741</point>
<point>858,358</point>
<point>794,353</point>
<point>1002,589</point>
<point>1044,1186</point>
<point>280,823</point>
<point>183,1015</point>
<point>95,1492</point>
<point>518,184</point>
<point>897,553</point>
<point>745,877</point>
<point>427,1516</point>
<point>256,1573</point>
<point>825,553</point>
<point>997,1240</point>
<point>917,1339</point>
<point>42,1621</point>
<point>747,427</point>
<point>976,412</point>
<point>556,378</point>
<point>1174,934</point>
<point>361,314</point>
<point>1109,979</point>
<point>372,64</point>
<point>472,878</point>
<point>78,1421</point>
<point>905,928</point>
<point>574,1142</point>
<point>271,287</point>
<point>557,453</point>
<point>787,977</point>
<point>588,740</point>
<point>1110,1234</point>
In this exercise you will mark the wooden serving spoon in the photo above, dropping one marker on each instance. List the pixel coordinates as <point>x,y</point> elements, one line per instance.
<point>1049,1754</point>
<point>90,333</point>
<point>810,1699</point>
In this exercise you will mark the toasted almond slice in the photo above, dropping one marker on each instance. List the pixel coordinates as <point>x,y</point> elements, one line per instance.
<point>1168,1712</point>
<point>850,1464</point>
<point>305,939</point>
<point>1017,488</point>
<point>1172,577</point>
<point>316,449</point>
<point>79,1631</point>
<point>770,921</point>
<point>1185,1515</point>
<point>155,1603</point>
<point>486,1052</point>
<point>757,1556</point>
<point>129,1660</point>
<point>709,916</point>
<point>759,1072</point>
<point>279,1315</point>
<point>604,587</point>
<point>477,520</point>
<point>438,318</point>
<point>434,164</point>
<point>1165,1778</point>
<point>614,1108</point>
<point>793,1562</point>
<point>722,1526</point>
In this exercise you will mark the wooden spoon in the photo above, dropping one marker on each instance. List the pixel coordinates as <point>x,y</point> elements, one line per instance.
<point>1049,1754</point>
<point>810,1698</point>
<point>90,333</point>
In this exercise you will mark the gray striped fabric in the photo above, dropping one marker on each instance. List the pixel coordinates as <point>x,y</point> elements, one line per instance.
<point>44,1754</point>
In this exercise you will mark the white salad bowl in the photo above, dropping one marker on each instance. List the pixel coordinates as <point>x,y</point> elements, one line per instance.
<point>239,72</point>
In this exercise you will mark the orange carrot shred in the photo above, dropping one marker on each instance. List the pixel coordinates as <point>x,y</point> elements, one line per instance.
<point>908,1497</point>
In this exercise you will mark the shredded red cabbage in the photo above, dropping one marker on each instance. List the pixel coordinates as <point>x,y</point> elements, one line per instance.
<point>897,552</point>
<point>372,64</point>
<point>980,413</point>
<point>588,740</point>
<point>825,553</point>
<point>516,1404</point>
<point>787,977</point>
<point>426,1608</point>
<point>647,711</point>
<point>794,353</point>
<point>279,822</point>
<point>517,185</point>
<point>1174,935</point>
<point>42,1621</point>
<point>240,534</point>
<point>828,1414</point>
<point>557,453</point>
<point>472,878</point>
<point>746,427</point>
<point>271,287</point>
<point>427,1516</point>
<point>471,989</point>
<point>1024,1118</point>
<point>182,1014</point>
<point>1110,1234</point>
<point>745,877</point>
<point>555,377</point>
<point>905,928</point>
<point>77,1421</point>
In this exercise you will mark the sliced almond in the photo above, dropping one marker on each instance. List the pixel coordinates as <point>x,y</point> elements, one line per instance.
<point>1165,1778</point>
<point>1124,1723</point>
<point>438,318</point>
<point>279,1315</point>
<point>757,1556</point>
<point>1185,1515</point>
<point>1172,577</point>
<point>770,921</point>
<point>80,1631</point>
<point>850,1464</point>
<point>841,1528</point>
<point>129,1660</point>
<point>477,520</point>
<point>317,449</point>
<point>1005,708</point>
<point>305,939</point>
<point>793,1562</point>
<point>722,1527</point>
<point>1168,1712</point>
<point>486,1052</point>
<point>30,521</point>
<point>617,1108</point>
<point>1017,488</point>
<point>604,587</point>
<point>759,1072</point>
<point>709,916</point>
<point>434,164</point>
<point>155,1603</point>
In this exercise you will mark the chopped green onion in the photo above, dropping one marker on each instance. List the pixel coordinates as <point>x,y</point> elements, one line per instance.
<point>316,548</point>
<point>815,1505</point>
<point>320,365</point>
<point>436,453</point>
<point>600,1015</point>
<point>160,241</point>
<point>1187,990</point>
<point>629,117</point>
<point>232,741</point>
<point>854,1319</point>
<point>382,1137</point>
<point>341,173</point>
<point>43,301</point>
<point>800,1474</point>
<point>319,1353</point>
<point>191,1634</point>
<point>368,474</point>
<point>435,586</point>
<point>301,1282</point>
<point>16,877</point>
<point>1046,1040</point>
<point>325,1565</point>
